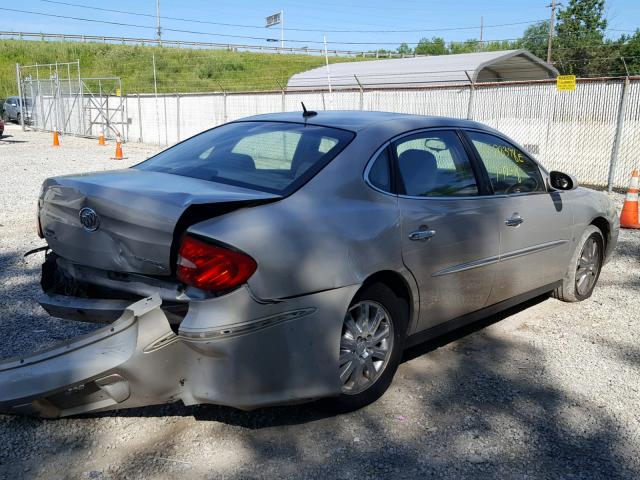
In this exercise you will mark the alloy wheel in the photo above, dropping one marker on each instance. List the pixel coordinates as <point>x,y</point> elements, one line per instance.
<point>365,346</point>
<point>588,266</point>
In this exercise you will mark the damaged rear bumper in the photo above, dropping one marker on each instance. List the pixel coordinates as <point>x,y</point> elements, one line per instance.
<point>105,369</point>
<point>288,353</point>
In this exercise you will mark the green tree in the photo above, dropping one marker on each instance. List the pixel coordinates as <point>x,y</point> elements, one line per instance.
<point>404,49</point>
<point>535,39</point>
<point>468,46</point>
<point>496,45</point>
<point>579,44</point>
<point>630,51</point>
<point>435,46</point>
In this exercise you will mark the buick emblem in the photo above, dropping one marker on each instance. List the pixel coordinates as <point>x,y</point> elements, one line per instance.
<point>89,219</point>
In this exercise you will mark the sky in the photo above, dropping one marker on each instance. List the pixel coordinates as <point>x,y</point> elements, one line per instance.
<point>454,20</point>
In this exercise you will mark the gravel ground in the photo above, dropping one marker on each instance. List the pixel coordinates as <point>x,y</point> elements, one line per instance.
<point>546,390</point>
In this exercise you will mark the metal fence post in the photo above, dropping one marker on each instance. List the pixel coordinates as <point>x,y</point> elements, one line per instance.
<point>224,106</point>
<point>166,128</point>
<point>283,102</point>
<point>618,135</point>
<point>81,109</point>
<point>472,91</point>
<point>140,139</point>
<point>18,79</point>
<point>224,103</point>
<point>361,91</point>
<point>178,116</point>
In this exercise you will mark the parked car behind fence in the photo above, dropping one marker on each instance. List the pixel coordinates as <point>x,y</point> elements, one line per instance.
<point>13,112</point>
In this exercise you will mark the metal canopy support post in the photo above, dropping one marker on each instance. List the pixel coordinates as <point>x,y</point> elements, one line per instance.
<point>618,135</point>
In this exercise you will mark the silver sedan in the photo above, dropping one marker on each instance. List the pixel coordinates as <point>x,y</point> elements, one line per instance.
<point>290,257</point>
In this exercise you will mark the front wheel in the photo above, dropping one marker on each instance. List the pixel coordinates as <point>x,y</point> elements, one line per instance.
<point>371,346</point>
<point>584,267</point>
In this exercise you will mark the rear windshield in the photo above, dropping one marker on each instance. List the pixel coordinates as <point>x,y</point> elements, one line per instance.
<point>269,156</point>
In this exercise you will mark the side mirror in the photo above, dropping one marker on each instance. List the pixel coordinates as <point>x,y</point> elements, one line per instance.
<point>562,181</point>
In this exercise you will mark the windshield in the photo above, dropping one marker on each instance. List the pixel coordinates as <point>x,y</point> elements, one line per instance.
<point>269,156</point>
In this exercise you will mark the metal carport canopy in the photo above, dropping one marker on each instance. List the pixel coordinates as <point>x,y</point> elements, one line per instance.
<point>505,65</point>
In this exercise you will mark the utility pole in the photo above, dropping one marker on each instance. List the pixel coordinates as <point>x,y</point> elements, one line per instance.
<point>158,29</point>
<point>552,22</point>
<point>481,32</point>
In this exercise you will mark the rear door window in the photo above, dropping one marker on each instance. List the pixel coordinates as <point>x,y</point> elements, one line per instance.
<point>275,157</point>
<point>380,172</point>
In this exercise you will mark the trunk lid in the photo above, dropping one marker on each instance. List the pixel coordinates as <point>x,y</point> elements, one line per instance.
<point>127,220</point>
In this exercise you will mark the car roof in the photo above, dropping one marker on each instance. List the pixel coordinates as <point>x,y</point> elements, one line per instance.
<point>357,120</point>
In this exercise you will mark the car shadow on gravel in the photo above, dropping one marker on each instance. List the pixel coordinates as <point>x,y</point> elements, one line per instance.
<point>304,413</point>
<point>471,404</point>
<point>487,411</point>
<point>5,139</point>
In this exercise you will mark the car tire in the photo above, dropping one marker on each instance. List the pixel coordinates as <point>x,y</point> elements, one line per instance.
<point>375,299</point>
<point>18,119</point>
<point>584,267</point>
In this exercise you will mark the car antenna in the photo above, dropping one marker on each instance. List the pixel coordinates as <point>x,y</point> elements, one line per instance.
<point>307,113</point>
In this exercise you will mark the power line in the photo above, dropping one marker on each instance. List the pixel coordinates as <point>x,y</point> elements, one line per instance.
<point>308,41</point>
<point>261,27</point>
<point>194,32</point>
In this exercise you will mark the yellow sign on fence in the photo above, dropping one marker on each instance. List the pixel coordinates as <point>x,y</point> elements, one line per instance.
<point>566,82</point>
<point>118,92</point>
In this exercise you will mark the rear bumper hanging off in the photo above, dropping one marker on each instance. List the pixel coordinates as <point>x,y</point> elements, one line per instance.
<point>132,362</point>
<point>286,354</point>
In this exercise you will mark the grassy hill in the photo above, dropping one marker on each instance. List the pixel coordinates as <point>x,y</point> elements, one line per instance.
<point>178,70</point>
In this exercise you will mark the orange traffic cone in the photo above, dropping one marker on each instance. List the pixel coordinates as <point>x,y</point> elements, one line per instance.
<point>101,139</point>
<point>119,155</point>
<point>629,215</point>
<point>56,140</point>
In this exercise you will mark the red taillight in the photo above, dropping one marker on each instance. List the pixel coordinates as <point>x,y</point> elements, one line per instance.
<point>211,267</point>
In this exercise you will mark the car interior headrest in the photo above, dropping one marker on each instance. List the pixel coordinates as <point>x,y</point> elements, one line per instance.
<point>418,169</point>
<point>237,161</point>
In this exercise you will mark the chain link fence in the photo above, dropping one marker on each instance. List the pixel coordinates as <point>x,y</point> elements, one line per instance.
<point>573,131</point>
<point>592,132</point>
<point>54,97</point>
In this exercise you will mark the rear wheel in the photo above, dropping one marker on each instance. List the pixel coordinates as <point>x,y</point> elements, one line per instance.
<point>584,268</point>
<point>371,346</point>
<point>18,116</point>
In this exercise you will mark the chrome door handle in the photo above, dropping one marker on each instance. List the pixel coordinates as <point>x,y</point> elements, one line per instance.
<point>514,220</point>
<point>421,235</point>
